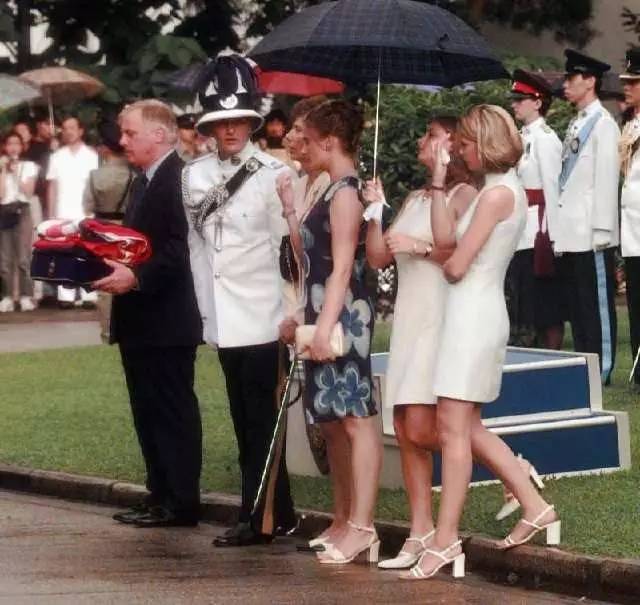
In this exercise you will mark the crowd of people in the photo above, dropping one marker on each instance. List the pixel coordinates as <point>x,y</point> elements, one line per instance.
<point>268,237</point>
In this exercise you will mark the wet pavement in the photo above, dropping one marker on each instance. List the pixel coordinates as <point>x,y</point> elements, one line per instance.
<point>54,552</point>
<point>48,328</point>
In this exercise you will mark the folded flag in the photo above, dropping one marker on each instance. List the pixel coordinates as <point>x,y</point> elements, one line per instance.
<point>72,253</point>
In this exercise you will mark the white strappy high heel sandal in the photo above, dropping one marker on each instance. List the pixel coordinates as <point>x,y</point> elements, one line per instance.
<point>511,504</point>
<point>417,573</point>
<point>333,556</point>
<point>553,531</point>
<point>406,559</point>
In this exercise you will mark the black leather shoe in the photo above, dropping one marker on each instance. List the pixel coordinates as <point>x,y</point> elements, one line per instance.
<point>158,516</point>
<point>241,535</point>
<point>135,512</point>
<point>290,528</point>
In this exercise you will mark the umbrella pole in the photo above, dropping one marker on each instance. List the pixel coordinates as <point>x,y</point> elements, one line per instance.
<point>51,120</point>
<point>377,126</point>
<point>635,365</point>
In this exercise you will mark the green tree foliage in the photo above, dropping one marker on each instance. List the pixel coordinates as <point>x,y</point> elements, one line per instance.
<point>405,112</point>
<point>569,20</point>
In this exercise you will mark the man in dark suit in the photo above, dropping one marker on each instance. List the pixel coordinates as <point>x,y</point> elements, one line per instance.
<point>156,322</point>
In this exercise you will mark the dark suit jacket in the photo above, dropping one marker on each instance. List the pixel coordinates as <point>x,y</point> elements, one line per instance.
<point>163,312</point>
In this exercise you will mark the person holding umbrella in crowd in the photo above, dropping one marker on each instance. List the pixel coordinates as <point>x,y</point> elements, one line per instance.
<point>235,230</point>
<point>585,223</point>
<point>417,322</point>
<point>468,371</point>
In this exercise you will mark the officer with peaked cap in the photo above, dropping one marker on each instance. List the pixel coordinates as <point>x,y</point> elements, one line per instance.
<point>630,199</point>
<point>586,226</point>
<point>235,232</point>
<point>535,308</point>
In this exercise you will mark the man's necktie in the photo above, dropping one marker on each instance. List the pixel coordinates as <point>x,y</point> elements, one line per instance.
<point>138,187</point>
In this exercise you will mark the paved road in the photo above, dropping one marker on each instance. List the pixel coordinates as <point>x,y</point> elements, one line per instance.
<point>54,552</point>
<point>48,328</point>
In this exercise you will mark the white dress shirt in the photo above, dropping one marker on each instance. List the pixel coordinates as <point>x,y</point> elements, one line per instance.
<point>70,169</point>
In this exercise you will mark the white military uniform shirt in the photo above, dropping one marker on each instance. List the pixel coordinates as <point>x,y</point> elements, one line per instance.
<point>589,200</point>
<point>70,169</point>
<point>630,199</point>
<point>235,261</point>
<point>539,168</point>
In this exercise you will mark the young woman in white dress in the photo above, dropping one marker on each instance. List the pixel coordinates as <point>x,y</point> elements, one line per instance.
<point>417,321</point>
<point>474,337</point>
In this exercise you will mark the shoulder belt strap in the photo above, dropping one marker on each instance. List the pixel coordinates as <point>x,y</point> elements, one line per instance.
<point>233,185</point>
<point>576,145</point>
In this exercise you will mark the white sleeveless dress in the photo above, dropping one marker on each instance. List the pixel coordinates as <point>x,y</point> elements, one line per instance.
<point>418,312</point>
<point>476,326</point>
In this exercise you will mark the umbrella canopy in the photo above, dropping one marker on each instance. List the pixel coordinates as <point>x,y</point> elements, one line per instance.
<point>14,91</point>
<point>273,82</point>
<point>392,41</point>
<point>62,85</point>
<point>301,85</point>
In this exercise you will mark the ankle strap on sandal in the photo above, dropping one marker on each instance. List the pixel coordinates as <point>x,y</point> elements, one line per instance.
<point>421,539</point>
<point>371,530</point>
<point>534,523</point>
<point>442,554</point>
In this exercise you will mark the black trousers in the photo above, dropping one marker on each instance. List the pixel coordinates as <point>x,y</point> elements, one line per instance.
<point>589,289</point>
<point>632,277</point>
<point>251,375</point>
<point>167,420</point>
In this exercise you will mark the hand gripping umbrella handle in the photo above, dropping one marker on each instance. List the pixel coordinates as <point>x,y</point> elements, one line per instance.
<point>280,422</point>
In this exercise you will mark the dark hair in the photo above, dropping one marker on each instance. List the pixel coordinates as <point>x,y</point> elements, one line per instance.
<point>76,118</point>
<point>12,134</point>
<point>340,119</point>
<point>545,104</point>
<point>304,106</point>
<point>457,171</point>
<point>28,124</point>
<point>276,115</point>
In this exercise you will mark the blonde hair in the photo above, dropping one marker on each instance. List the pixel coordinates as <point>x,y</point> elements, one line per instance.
<point>157,113</point>
<point>496,135</point>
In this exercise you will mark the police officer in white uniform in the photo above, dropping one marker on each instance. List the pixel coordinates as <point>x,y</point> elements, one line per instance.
<point>533,288</point>
<point>235,230</point>
<point>585,231</point>
<point>630,200</point>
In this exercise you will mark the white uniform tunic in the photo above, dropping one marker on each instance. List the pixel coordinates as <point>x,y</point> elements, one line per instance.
<point>630,199</point>
<point>589,200</point>
<point>235,260</point>
<point>539,168</point>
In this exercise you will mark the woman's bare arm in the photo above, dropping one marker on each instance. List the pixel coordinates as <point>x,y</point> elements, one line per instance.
<point>493,207</point>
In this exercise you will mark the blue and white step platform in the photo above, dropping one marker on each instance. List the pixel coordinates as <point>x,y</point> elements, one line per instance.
<point>549,410</point>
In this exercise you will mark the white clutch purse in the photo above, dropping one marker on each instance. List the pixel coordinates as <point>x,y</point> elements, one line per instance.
<point>305,334</point>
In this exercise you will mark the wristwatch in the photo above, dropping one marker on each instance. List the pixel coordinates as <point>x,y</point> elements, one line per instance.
<point>428,250</point>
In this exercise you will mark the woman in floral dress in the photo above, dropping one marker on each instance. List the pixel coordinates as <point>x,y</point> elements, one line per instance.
<point>339,390</point>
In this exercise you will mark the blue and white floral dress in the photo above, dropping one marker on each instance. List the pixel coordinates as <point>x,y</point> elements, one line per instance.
<point>343,387</point>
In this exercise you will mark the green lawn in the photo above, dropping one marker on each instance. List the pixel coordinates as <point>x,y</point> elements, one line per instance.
<point>68,410</point>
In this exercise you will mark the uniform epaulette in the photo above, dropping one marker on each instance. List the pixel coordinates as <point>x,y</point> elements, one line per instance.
<point>201,157</point>
<point>268,160</point>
